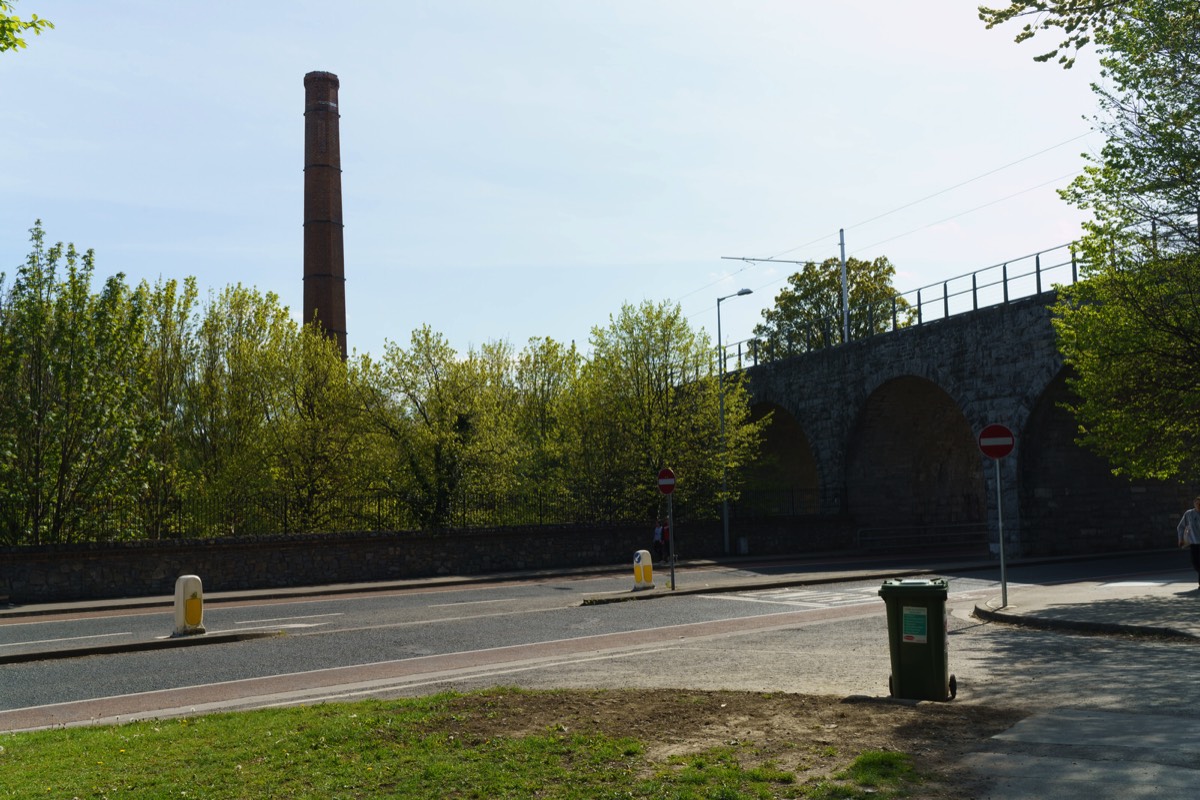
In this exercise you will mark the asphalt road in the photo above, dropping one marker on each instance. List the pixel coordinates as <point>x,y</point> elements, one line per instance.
<point>827,639</point>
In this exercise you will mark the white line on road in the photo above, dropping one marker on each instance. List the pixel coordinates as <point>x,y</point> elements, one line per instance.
<point>283,619</point>
<point>67,639</point>
<point>289,626</point>
<point>760,600</point>
<point>475,602</point>
<point>478,673</point>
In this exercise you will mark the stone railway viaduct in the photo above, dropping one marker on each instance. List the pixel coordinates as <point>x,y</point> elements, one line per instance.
<point>883,432</point>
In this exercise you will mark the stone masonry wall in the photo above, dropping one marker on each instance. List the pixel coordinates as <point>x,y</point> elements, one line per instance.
<point>995,365</point>
<point>134,569</point>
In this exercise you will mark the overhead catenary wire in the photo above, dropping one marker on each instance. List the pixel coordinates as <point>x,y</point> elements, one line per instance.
<point>749,262</point>
<point>939,193</point>
<point>776,260</point>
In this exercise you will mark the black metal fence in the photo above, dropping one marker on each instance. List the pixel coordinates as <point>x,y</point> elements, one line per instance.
<point>206,518</point>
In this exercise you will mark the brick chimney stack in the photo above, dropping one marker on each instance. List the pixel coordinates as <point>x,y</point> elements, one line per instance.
<point>324,259</point>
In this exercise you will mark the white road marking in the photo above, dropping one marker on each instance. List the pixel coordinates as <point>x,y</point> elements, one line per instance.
<point>283,619</point>
<point>805,598</point>
<point>67,639</point>
<point>290,626</point>
<point>474,602</point>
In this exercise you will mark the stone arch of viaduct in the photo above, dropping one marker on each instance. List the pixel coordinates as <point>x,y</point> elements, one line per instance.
<point>882,433</point>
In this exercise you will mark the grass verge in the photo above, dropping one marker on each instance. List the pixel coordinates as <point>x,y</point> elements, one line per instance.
<point>431,747</point>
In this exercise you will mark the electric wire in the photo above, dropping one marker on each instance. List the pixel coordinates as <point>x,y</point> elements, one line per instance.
<point>970,211</point>
<point>826,237</point>
<point>941,192</point>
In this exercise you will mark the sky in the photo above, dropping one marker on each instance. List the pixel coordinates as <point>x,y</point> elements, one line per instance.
<point>523,169</point>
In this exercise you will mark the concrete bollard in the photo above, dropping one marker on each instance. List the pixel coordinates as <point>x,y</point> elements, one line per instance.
<point>189,606</point>
<point>643,570</point>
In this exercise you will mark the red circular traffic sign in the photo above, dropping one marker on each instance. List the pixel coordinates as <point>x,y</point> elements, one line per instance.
<point>666,481</point>
<point>996,441</point>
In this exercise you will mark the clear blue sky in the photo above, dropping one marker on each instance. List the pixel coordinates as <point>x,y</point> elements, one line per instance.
<point>521,169</point>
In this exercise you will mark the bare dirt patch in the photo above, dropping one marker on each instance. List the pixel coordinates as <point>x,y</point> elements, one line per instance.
<point>811,736</point>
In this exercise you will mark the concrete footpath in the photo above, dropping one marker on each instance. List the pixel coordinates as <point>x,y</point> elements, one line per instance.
<point>1087,754</point>
<point>1141,629</point>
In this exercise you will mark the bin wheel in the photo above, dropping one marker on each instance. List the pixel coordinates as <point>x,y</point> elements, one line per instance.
<point>953,687</point>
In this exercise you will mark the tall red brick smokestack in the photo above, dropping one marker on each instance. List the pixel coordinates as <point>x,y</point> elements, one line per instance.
<point>324,258</point>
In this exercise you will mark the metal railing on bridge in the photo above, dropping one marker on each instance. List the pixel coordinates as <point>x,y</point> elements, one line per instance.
<point>998,284</point>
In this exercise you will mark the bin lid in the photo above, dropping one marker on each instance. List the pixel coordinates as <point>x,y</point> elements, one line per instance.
<point>915,586</point>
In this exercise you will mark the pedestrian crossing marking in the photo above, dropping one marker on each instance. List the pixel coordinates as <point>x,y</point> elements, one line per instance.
<point>807,598</point>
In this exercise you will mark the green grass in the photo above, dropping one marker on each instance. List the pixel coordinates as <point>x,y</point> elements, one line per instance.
<point>414,748</point>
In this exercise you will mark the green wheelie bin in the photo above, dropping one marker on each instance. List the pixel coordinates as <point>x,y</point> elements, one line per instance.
<point>916,618</point>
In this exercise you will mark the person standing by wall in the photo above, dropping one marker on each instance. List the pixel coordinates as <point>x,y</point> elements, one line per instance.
<point>1188,532</point>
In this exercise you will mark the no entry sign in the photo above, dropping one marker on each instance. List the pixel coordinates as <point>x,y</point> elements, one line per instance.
<point>666,481</point>
<point>996,441</point>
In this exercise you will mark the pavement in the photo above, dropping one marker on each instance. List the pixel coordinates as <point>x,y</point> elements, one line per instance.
<point>1062,753</point>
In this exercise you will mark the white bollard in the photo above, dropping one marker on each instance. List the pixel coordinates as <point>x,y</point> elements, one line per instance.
<point>643,570</point>
<point>189,606</point>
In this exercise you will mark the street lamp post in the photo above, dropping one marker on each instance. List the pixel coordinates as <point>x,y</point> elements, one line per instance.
<point>721,412</point>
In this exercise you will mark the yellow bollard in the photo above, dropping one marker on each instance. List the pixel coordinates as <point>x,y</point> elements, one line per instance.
<point>643,570</point>
<point>189,606</point>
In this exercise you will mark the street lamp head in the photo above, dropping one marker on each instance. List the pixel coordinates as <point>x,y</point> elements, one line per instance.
<point>738,293</point>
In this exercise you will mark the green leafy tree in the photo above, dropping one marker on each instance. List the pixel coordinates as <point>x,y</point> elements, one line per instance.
<point>807,314</point>
<point>547,372</point>
<point>229,397</point>
<point>13,27</point>
<point>69,430</point>
<point>1079,21</point>
<point>168,355</point>
<point>445,424</point>
<point>1127,331</point>
<point>647,398</point>
<point>1143,186</point>
<point>313,432</point>
<point>1131,335</point>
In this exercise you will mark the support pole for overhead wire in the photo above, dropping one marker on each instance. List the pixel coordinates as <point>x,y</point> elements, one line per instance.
<point>845,290</point>
<point>845,283</point>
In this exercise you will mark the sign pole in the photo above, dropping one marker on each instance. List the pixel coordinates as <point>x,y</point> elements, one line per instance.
<point>1000,524</point>
<point>995,442</point>
<point>666,485</point>
<point>671,539</point>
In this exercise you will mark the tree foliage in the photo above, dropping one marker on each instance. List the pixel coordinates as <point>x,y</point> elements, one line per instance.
<point>150,413</point>
<point>69,370</point>
<point>807,314</point>
<point>1127,331</point>
<point>1131,334</point>
<point>1142,187</point>
<point>547,374</point>
<point>447,423</point>
<point>1078,20</point>
<point>13,28</point>
<point>648,399</point>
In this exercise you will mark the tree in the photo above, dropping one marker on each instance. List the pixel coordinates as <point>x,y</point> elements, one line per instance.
<point>69,367</point>
<point>1127,331</point>
<point>313,432</point>
<point>807,314</point>
<point>1142,187</point>
<point>445,423</point>
<point>1130,333</point>
<point>228,399</point>
<point>648,399</point>
<point>12,27</point>
<point>1079,20</point>
<point>168,356</point>
<point>546,379</point>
